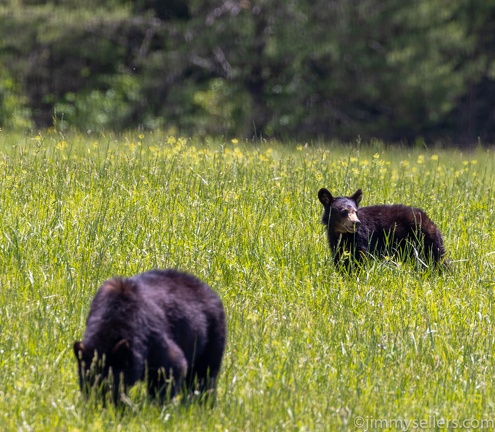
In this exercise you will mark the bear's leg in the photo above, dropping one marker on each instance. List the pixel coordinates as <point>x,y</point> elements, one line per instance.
<point>117,382</point>
<point>166,371</point>
<point>350,253</point>
<point>434,248</point>
<point>207,365</point>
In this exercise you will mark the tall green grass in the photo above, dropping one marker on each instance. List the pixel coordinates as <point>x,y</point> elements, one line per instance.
<point>308,348</point>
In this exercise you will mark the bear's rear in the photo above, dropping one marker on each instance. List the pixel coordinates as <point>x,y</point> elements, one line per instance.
<point>157,325</point>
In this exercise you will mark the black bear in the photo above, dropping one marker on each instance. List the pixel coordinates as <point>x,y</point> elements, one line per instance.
<point>355,232</point>
<point>164,326</point>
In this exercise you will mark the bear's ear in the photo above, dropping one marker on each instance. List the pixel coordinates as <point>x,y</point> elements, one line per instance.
<point>325,197</point>
<point>121,355</point>
<point>358,195</point>
<point>78,350</point>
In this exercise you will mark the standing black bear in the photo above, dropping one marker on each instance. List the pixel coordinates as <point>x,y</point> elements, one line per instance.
<point>162,325</point>
<point>377,230</point>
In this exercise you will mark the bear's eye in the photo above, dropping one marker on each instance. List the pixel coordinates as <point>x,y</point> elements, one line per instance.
<point>345,213</point>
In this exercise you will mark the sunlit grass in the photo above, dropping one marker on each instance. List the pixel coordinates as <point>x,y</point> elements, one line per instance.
<point>308,348</point>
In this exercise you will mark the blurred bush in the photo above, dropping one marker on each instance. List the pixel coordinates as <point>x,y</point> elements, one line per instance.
<point>253,68</point>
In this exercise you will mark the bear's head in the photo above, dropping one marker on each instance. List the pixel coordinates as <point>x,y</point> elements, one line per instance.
<point>340,213</point>
<point>95,367</point>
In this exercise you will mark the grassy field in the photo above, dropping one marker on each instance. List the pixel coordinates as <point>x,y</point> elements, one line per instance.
<point>308,348</point>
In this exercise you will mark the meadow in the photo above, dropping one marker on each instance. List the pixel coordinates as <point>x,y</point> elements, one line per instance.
<point>309,348</point>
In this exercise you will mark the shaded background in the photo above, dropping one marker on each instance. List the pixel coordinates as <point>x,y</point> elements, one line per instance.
<point>308,69</point>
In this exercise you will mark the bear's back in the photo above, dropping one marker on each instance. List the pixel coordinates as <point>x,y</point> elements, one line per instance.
<point>188,308</point>
<point>177,293</point>
<point>392,216</point>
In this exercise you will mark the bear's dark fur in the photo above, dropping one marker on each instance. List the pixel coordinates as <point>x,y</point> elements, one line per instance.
<point>377,230</point>
<point>162,325</point>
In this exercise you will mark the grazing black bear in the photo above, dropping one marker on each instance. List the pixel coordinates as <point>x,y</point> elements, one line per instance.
<point>377,230</point>
<point>162,325</point>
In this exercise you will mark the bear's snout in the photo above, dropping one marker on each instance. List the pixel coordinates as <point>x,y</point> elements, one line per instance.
<point>354,220</point>
<point>348,225</point>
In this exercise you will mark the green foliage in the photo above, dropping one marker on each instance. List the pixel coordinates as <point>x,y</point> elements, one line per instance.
<point>99,110</point>
<point>14,113</point>
<point>308,348</point>
<point>304,69</point>
<point>225,108</point>
<point>70,56</point>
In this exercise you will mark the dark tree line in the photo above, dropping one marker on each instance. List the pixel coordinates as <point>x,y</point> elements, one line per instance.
<point>299,69</point>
